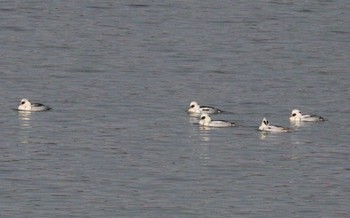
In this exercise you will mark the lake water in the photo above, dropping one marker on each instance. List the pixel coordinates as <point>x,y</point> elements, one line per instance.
<point>120,75</point>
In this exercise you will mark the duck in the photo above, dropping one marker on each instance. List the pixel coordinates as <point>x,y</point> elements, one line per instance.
<point>196,109</point>
<point>267,128</point>
<point>205,120</point>
<point>296,115</point>
<point>26,105</point>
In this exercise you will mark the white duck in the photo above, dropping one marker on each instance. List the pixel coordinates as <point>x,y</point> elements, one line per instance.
<point>26,105</point>
<point>195,108</point>
<point>267,128</point>
<point>296,115</point>
<point>205,120</point>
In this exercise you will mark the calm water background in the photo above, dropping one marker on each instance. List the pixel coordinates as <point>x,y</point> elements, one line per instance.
<point>120,75</point>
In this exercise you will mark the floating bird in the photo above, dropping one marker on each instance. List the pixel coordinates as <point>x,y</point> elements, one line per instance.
<point>26,105</point>
<point>195,108</point>
<point>205,120</point>
<point>296,115</point>
<point>267,128</point>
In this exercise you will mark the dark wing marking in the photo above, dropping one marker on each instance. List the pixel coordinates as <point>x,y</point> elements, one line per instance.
<point>37,104</point>
<point>203,107</point>
<point>210,108</point>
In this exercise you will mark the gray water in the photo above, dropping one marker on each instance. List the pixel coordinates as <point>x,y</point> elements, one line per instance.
<point>120,75</point>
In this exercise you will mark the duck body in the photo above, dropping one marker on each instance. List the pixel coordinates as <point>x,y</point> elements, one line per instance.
<point>197,109</point>
<point>26,105</point>
<point>205,120</point>
<point>296,115</point>
<point>265,126</point>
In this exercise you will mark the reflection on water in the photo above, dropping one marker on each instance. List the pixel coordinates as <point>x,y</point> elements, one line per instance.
<point>24,118</point>
<point>202,147</point>
<point>201,142</point>
<point>263,135</point>
<point>25,122</point>
<point>297,124</point>
<point>206,128</point>
<point>193,119</point>
<point>204,133</point>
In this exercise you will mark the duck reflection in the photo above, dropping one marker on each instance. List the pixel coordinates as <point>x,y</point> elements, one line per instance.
<point>297,124</point>
<point>193,119</point>
<point>205,128</point>
<point>263,135</point>
<point>204,133</point>
<point>24,118</point>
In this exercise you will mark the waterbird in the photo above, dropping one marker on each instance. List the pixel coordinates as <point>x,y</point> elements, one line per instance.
<point>195,108</point>
<point>26,105</point>
<point>296,115</point>
<point>205,120</point>
<point>265,126</point>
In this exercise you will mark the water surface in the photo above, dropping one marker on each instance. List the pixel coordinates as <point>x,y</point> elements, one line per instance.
<point>119,77</point>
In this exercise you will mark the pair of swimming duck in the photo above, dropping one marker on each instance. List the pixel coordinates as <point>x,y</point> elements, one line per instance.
<point>205,119</point>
